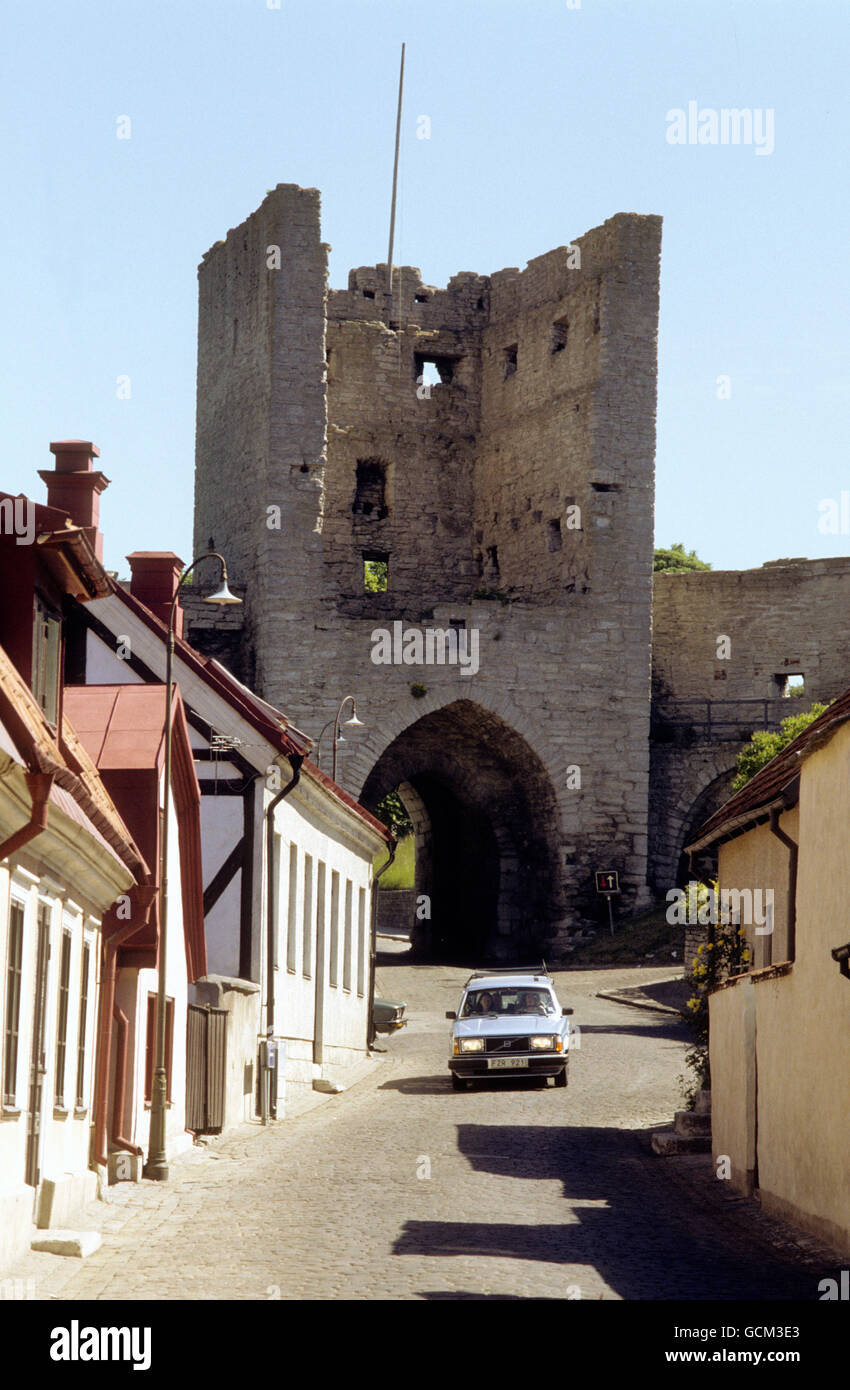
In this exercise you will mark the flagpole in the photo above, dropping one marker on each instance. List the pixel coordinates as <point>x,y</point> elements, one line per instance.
<point>395,190</point>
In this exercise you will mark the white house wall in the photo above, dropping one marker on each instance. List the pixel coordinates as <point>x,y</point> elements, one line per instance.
<point>301,982</point>
<point>104,666</point>
<point>66,1183</point>
<point>132,990</point>
<point>221,829</point>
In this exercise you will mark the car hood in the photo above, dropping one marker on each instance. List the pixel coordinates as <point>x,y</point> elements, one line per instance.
<point>505,1025</point>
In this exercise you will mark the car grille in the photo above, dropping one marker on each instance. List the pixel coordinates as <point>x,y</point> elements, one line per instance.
<point>505,1045</point>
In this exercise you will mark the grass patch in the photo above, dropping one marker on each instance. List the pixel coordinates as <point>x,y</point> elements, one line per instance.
<point>644,940</point>
<point>400,874</point>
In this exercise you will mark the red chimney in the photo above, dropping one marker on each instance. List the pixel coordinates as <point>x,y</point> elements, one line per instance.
<point>154,583</point>
<point>74,486</point>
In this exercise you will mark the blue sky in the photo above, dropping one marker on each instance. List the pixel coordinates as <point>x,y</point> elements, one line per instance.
<point>545,120</point>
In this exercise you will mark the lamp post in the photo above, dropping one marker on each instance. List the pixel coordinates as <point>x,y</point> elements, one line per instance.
<point>351,723</point>
<point>325,728</point>
<point>157,1164</point>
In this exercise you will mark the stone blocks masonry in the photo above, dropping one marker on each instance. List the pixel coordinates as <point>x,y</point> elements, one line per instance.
<point>527,776</point>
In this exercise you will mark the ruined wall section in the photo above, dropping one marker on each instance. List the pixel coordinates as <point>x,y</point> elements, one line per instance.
<point>420,439</point>
<point>235,295</point>
<point>776,617</point>
<point>568,418</point>
<point>787,618</point>
<point>262,417</point>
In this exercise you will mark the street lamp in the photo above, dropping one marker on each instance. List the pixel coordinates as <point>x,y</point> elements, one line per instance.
<point>351,723</point>
<point>157,1164</point>
<point>318,745</point>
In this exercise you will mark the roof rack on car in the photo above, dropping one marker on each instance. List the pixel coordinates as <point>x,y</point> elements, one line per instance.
<point>511,970</point>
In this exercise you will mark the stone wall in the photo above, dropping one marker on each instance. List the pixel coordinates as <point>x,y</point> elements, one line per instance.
<point>512,501</point>
<point>787,618</point>
<point>396,911</point>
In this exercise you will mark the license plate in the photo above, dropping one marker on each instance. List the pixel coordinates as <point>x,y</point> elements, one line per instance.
<point>503,1063</point>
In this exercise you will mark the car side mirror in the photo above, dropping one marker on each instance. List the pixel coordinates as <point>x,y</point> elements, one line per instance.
<point>567,1011</point>
<point>450,1013</point>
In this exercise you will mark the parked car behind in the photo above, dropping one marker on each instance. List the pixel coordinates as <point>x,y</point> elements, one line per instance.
<point>388,1015</point>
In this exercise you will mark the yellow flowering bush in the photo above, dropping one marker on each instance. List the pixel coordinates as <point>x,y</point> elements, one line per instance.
<point>725,950</point>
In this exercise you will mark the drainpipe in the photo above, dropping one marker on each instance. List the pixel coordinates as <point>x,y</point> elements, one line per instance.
<point>121,1084</point>
<point>793,854</point>
<point>142,897</point>
<point>373,947</point>
<point>269,1109</point>
<point>39,784</point>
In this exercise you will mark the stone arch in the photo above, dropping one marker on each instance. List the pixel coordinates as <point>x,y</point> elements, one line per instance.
<point>486,818</point>
<point>692,809</point>
<point>697,809</point>
<point>686,786</point>
<point>554,759</point>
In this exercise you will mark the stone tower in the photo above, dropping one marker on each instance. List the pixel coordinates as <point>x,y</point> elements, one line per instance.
<point>486,451</point>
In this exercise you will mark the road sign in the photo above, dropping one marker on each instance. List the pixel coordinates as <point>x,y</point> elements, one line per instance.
<point>607,881</point>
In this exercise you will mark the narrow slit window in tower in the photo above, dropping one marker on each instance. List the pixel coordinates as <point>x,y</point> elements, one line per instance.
<point>376,571</point>
<point>560,330</point>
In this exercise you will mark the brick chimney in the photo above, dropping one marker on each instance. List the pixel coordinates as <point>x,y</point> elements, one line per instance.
<point>74,486</point>
<point>154,583</point>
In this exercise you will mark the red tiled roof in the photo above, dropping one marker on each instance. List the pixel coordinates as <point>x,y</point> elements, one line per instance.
<point>67,551</point>
<point>74,772</point>
<point>764,791</point>
<point>121,726</point>
<point>330,785</point>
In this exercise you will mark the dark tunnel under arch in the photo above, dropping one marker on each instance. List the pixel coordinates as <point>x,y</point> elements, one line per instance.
<point>486,821</point>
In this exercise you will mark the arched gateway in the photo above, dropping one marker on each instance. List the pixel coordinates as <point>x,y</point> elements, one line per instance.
<point>485,817</point>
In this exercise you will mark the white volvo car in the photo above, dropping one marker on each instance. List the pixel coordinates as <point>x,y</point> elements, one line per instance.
<point>509,1024</point>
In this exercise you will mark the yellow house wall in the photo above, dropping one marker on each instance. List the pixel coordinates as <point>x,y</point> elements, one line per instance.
<point>759,861</point>
<point>732,1017</point>
<point>801,1035</point>
<point>803,1020</point>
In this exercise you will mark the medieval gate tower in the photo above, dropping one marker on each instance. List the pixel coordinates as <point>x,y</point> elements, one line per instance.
<point>511,503</point>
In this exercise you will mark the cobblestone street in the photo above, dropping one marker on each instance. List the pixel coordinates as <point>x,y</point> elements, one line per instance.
<point>402,1188</point>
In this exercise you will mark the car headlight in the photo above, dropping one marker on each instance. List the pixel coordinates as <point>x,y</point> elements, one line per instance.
<point>545,1043</point>
<point>472,1045</point>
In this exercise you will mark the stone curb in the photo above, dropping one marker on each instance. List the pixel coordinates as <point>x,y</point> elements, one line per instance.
<point>617,998</point>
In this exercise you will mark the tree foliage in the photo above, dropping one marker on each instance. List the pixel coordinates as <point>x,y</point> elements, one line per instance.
<point>723,951</point>
<point>375,576</point>
<point>393,812</point>
<point>677,560</point>
<point>766,743</point>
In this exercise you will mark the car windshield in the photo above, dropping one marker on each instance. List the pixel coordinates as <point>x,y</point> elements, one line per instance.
<point>507,1001</point>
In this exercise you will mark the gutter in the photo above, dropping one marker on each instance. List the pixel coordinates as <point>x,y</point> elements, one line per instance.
<point>793,855</point>
<point>373,945</point>
<point>118,1138</point>
<point>39,784</point>
<point>740,822</point>
<point>141,896</point>
<point>269,1107</point>
<point>841,954</point>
